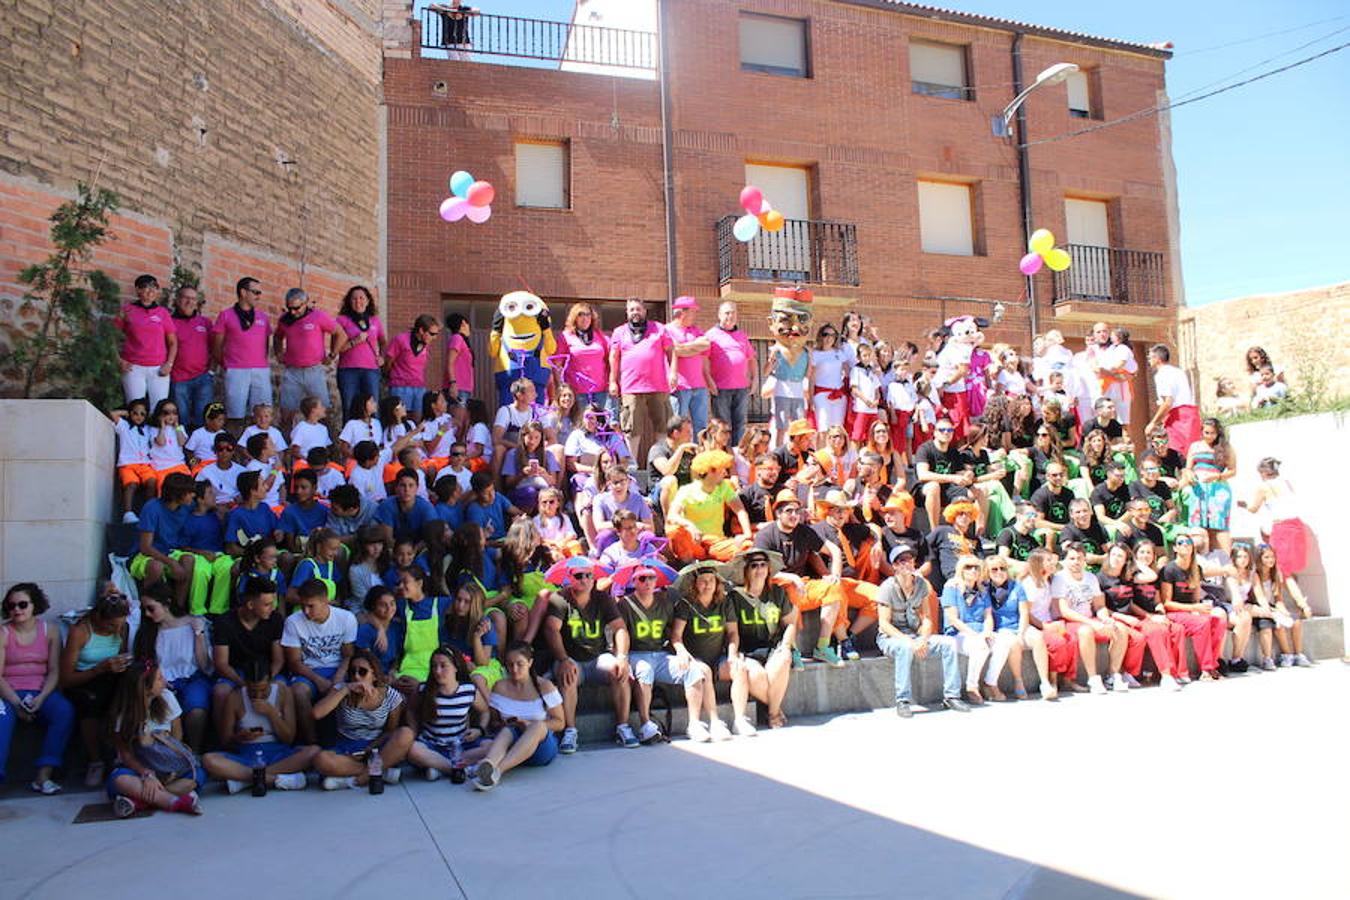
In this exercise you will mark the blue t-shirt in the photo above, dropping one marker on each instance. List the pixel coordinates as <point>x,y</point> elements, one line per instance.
<point>406,524</point>
<point>365,639</point>
<point>971,613</point>
<point>166,525</point>
<point>490,517</point>
<point>1009,596</point>
<point>204,532</point>
<point>253,522</point>
<point>464,646</point>
<point>295,519</point>
<point>452,514</point>
<point>273,576</point>
<point>309,568</point>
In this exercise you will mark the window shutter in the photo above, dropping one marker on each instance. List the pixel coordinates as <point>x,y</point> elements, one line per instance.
<point>937,64</point>
<point>771,44</point>
<point>1080,99</point>
<point>541,175</point>
<point>945,219</point>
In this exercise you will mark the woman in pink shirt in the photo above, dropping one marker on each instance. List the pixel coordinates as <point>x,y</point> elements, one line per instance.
<point>150,346</point>
<point>358,366</point>
<point>458,359</point>
<point>30,655</point>
<point>406,364</point>
<point>585,349</point>
<point>191,386</point>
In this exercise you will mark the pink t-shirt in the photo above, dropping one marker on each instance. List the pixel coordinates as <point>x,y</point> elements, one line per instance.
<point>146,329</point>
<point>360,355</point>
<point>688,369</point>
<point>642,364</point>
<point>463,362</point>
<point>305,339</point>
<point>194,348</point>
<point>406,369</point>
<point>730,356</point>
<point>243,349</point>
<point>587,364</point>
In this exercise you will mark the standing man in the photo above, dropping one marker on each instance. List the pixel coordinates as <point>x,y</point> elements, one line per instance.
<point>239,346</point>
<point>299,343</point>
<point>190,382</point>
<point>691,376</point>
<point>1176,411</point>
<point>640,354</point>
<point>151,344</point>
<point>735,370</point>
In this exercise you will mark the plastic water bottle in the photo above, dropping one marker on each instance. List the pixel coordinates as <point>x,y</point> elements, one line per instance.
<point>457,774</point>
<point>375,773</point>
<point>259,774</point>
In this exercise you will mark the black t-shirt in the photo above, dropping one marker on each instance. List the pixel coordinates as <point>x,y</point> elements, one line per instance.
<point>1157,496</point>
<point>789,463</point>
<point>977,461</point>
<point>1053,507</point>
<point>1063,428</point>
<point>757,501</point>
<point>1114,430</point>
<point>800,549</point>
<point>1182,592</point>
<point>912,536</point>
<point>939,462</point>
<point>583,630</point>
<point>1146,595</point>
<point>663,450</point>
<point>648,629</point>
<point>854,534</point>
<point>759,621</point>
<point>705,636</point>
<point>1094,537</point>
<point>1039,462</point>
<point>946,545</point>
<point>1171,462</point>
<point>1150,532</point>
<point>247,646</point>
<point>1119,594</point>
<point>1019,545</point>
<point>1114,501</point>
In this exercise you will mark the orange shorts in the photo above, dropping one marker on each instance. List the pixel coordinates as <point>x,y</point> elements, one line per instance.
<point>161,474</point>
<point>135,473</point>
<point>849,593</point>
<point>686,549</point>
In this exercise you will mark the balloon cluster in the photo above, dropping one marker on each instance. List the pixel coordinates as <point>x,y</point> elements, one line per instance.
<point>469,199</point>
<point>758,214</point>
<point>1043,252</point>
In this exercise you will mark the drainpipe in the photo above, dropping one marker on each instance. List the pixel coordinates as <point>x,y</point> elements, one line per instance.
<point>1024,175</point>
<point>667,150</point>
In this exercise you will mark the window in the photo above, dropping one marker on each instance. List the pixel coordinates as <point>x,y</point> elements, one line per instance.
<point>1080,96</point>
<point>541,174</point>
<point>946,222</point>
<point>939,70</point>
<point>774,45</point>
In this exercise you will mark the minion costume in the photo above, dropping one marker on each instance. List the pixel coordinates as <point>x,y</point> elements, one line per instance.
<point>521,343</point>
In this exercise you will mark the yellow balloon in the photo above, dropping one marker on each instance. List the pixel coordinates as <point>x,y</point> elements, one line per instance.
<point>1058,260</point>
<point>773,220</point>
<point>1042,242</point>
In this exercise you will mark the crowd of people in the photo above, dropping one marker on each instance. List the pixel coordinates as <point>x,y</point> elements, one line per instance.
<point>430,583</point>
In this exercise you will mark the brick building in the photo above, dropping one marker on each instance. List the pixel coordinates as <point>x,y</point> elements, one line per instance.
<point>867,122</point>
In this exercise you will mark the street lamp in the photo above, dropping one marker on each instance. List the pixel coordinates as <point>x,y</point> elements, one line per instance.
<point>1002,124</point>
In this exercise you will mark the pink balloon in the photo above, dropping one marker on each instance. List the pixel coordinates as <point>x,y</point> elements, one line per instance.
<point>454,208</point>
<point>751,198</point>
<point>480,194</point>
<point>478,214</point>
<point>764,208</point>
<point>1031,264</point>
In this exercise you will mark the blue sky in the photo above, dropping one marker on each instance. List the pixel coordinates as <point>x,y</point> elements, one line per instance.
<point>1263,170</point>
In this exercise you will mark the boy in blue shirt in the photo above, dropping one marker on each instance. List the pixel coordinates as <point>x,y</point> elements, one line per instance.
<point>405,514</point>
<point>488,509</point>
<point>305,513</point>
<point>252,517</point>
<point>160,553</point>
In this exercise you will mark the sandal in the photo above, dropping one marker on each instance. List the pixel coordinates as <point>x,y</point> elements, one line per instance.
<point>1020,692</point>
<point>777,720</point>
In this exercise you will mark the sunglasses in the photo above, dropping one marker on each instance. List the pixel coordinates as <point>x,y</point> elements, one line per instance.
<point>998,568</point>
<point>646,578</point>
<point>361,671</point>
<point>1042,434</point>
<point>1187,541</point>
<point>945,430</point>
<point>580,576</point>
<point>758,565</point>
<point>17,604</point>
<point>456,454</point>
<point>254,291</point>
<point>1150,469</point>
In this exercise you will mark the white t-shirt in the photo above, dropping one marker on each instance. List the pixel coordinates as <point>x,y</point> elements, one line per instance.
<point>1075,594</point>
<point>356,431</point>
<point>133,446</point>
<point>264,469</point>
<point>479,433</point>
<point>509,417</point>
<point>1012,382</point>
<point>393,433</point>
<point>320,643</point>
<point>830,366</point>
<point>160,726</point>
<point>462,476</point>
<point>900,395</point>
<point>952,357</point>
<point>868,383</point>
<point>329,478</point>
<point>202,443</point>
<point>225,481</point>
<point>278,439</point>
<point>370,482</point>
<point>308,435</point>
<point>1038,598</point>
<point>437,436</point>
<point>1172,384</point>
<point>170,453</point>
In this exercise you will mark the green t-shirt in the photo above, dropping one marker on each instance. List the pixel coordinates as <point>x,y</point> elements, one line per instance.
<point>648,629</point>
<point>706,510</point>
<point>704,628</point>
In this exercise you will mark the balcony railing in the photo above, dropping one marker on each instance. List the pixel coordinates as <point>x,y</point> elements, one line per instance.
<point>805,251</point>
<point>1112,275</point>
<point>468,35</point>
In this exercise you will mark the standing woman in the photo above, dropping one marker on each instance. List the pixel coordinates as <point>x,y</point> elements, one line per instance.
<point>358,365</point>
<point>531,712</point>
<point>151,344</point>
<point>406,363</point>
<point>1286,531</point>
<point>1209,499</point>
<point>585,349</point>
<point>30,660</point>
<point>458,359</point>
<point>94,657</point>
<point>831,361</point>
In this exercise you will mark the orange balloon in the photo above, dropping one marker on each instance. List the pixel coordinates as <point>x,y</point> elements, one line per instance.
<point>772,220</point>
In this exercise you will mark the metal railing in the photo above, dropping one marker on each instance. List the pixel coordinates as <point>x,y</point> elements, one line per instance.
<point>806,251</point>
<point>1112,275</point>
<point>472,34</point>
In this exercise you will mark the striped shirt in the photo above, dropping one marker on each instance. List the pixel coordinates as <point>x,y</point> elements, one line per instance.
<point>452,716</point>
<point>366,724</point>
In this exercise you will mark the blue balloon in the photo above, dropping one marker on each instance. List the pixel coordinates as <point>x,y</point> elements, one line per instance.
<point>460,182</point>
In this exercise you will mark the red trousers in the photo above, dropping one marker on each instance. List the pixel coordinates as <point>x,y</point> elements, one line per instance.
<point>1206,633</point>
<point>957,406</point>
<point>1061,649</point>
<point>861,425</point>
<point>898,429</point>
<point>1167,643</point>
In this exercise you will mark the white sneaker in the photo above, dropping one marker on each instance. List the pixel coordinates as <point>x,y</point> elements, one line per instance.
<point>335,783</point>
<point>649,732</point>
<point>698,732</point>
<point>568,742</point>
<point>1301,659</point>
<point>434,774</point>
<point>235,787</point>
<point>1118,682</point>
<point>1095,685</point>
<point>1168,683</point>
<point>743,727</point>
<point>130,518</point>
<point>624,736</point>
<point>291,781</point>
<point>393,775</point>
<point>486,777</point>
<point>1130,679</point>
<point>719,731</point>
<point>1286,660</point>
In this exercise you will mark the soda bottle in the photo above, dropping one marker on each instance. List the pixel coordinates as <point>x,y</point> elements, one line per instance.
<point>375,772</point>
<point>259,774</point>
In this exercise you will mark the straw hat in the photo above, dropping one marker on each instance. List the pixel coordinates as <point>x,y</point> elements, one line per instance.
<point>734,571</point>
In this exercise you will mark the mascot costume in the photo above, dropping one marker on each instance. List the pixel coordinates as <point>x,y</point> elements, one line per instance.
<point>954,370</point>
<point>785,384</point>
<point>520,344</point>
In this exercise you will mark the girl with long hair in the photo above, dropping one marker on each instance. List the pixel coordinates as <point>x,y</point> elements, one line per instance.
<point>530,710</point>
<point>1212,463</point>
<point>95,655</point>
<point>446,738</point>
<point>831,360</point>
<point>458,380</point>
<point>177,643</point>
<point>369,713</point>
<point>1181,595</point>
<point>358,365</point>
<point>154,768</point>
<point>529,468</point>
<point>1278,589</point>
<point>1143,629</point>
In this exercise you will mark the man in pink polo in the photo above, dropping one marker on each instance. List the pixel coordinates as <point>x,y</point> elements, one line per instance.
<point>301,343</point>
<point>190,382</point>
<point>150,346</point>
<point>239,345</point>
<point>640,355</point>
<point>692,378</point>
<point>1176,401</point>
<point>735,369</point>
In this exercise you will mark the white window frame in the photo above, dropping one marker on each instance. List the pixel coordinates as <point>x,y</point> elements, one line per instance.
<point>524,195</point>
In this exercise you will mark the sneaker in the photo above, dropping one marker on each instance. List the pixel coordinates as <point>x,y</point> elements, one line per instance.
<point>1095,685</point>
<point>698,732</point>
<point>434,774</point>
<point>235,787</point>
<point>1208,676</point>
<point>487,777</point>
<point>291,781</point>
<point>1118,683</point>
<point>743,727</point>
<point>123,807</point>
<point>1130,679</point>
<point>1267,664</point>
<point>828,656</point>
<point>1301,659</point>
<point>957,704</point>
<point>649,732</point>
<point>568,744</point>
<point>1223,667</point>
<point>848,650</point>
<point>393,775</point>
<point>718,730</point>
<point>335,783</point>
<point>130,518</point>
<point>797,664</point>
<point>46,787</point>
<point>1168,683</point>
<point>624,737</point>
<point>1238,666</point>
<point>902,709</point>
<point>1286,660</point>
<point>1183,680</point>
<point>193,807</point>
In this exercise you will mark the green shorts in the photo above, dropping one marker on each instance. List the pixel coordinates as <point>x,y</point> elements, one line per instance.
<point>140,562</point>
<point>491,673</point>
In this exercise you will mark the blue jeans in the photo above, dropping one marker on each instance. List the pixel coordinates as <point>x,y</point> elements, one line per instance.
<point>901,652</point>
<point>732,405</point>
<point>191,397</point>
<point>691,402</point>
<point>56,714</point>
<point>410,397</point>
<point>352,381</point>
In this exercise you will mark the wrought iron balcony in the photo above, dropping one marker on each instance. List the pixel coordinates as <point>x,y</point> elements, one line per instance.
<point>465,35</point>
<point>802,251</point>
<point>1112,275</point>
